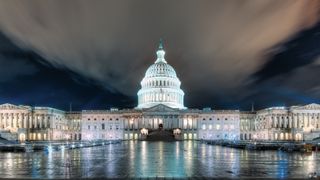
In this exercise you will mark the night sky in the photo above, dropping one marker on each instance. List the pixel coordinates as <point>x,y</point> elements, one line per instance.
<point>93,54</point>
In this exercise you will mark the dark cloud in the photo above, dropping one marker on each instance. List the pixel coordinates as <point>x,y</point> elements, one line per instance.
<point>11,65</point>
<point>290,76</point>
<point>29,79</point>
<point>298,52</point>
<point>215,46</point>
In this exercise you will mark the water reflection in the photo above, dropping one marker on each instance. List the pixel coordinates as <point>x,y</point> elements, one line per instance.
<point>157,159</point>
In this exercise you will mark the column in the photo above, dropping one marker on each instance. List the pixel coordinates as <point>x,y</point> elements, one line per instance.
<point>305,123</point>
<point>14,120</point>
<point>30,121</point>
<point>4,120</point>
<point>290,121</point>
<point>46,121</point>
<point>17,120</point>
<point>1,121</point>
<point>309,120</point>
<point>34,119</point>
<point>20,120</point>
<point>11,120</point>
<point>286,122</point>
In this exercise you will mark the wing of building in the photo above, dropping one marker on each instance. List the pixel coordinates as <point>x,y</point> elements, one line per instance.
<point>160,107</point>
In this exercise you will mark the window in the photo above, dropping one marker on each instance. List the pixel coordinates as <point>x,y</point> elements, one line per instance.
<point>88,127</point>
<point>95,119</point>
<point>102,126</point>
<point>218,126</point>
<point>110,127</point>
<point>203,126</point>
<point>88,119</point>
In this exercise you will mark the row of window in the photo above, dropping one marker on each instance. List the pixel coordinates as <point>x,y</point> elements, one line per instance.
<point>217,119</point>
<point>155,97</point>
<point>160,83</point>
<point>287,117</point>
<point>103,127</point>
<point>117,119</point>
<point>218,127</point>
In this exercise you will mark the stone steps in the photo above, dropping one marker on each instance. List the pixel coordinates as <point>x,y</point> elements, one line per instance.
<point>160,135</point>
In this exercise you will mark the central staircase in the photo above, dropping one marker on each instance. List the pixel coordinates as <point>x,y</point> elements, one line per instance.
<point>160,135</point>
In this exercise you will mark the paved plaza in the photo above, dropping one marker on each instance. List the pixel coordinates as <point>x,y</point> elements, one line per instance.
<point>141,159</point>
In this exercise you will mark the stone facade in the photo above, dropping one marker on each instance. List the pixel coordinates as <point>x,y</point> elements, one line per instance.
<point>36,123</point>
<point>43,123</point>
<point>282,123</point>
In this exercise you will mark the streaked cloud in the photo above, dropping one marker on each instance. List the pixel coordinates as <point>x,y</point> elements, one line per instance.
<point>215,46</point>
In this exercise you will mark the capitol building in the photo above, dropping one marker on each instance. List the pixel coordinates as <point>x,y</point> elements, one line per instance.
<point>160,109</point>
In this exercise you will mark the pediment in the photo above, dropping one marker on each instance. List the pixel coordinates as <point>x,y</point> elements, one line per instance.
<point>8,106</point>
<point>312,106</point>
<point>161,108</point>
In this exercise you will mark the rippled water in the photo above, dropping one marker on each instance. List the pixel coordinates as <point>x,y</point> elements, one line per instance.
<point>158,159</point>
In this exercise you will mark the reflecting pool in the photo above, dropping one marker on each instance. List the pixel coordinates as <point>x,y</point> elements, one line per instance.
<point>158,159</point>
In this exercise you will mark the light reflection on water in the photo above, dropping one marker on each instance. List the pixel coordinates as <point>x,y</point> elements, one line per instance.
<point>157,159</point>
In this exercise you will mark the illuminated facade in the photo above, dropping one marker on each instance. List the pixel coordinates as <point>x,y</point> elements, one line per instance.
<point>38,123</point>
<point>160,106</point>
<point>282,123</point>
<point>160,85</point>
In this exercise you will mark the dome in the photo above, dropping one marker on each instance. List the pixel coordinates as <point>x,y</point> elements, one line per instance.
<point>160,85</point>
<point>161,69</point>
